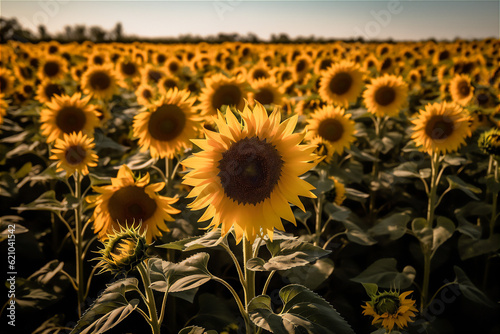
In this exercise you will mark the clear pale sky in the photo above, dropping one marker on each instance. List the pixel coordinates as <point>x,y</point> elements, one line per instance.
<point>399,20</point>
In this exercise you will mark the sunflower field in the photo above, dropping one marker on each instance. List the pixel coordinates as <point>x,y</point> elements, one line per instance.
<point>238,187</point>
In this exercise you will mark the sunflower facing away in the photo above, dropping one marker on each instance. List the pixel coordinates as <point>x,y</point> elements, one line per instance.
<point>222,91</point>
<point>74,153</point>
<point>131,201</point>
<point>385,95</point>
<point>441,127</point>
<point>99,81</point>
<point>341,83</point>
<point>246,175</point>
<point>390,308</point>
<point>461,89</point>
<point>168,127</point>
<point>333,126</point>
<point>67,114</point>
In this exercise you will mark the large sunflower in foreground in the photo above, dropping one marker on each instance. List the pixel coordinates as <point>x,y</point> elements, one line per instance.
<point>341,83</point>
<point>131,201</point>
<point>246,175</point>
<point>333,126</point>
<point>222,91</point>
<point>99,81</point>
<point>385,96</point>
<point>169,125</point>
<point>67,114</point>
<point>441,127</point>
<point>390,309</point>
<point>74,153</point>
<point>461,89</point>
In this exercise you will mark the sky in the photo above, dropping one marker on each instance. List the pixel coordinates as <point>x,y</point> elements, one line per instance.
<point>398,20</point>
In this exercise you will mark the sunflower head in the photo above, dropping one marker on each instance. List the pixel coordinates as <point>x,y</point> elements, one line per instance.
<point>123,250</point>
<point>341,83</point>
<point>99,81</point>
<point>74,153</point>
<point>222,91</point>
<point>337,194</point>
<point>461,89</point>
<point>390,309</point>
<point>385,95</point>
<point>489,142</point>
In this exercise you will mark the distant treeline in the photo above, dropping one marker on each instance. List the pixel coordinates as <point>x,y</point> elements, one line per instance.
<point>11,29</point>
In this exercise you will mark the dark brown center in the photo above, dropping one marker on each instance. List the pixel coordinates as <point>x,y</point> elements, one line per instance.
<point>100,80</point>
<point>464,88</point>
<point>340,83</point>
<point>385,95</point>
<point>331,129</point>
<point>51,68</point>
<point>75,155</point>
<point>3,84</point>
<point>226,95</point>
<point>131,204</point>
<point>51,90</point>
<point>259,74</point>
<point>154,75</point>
<point>167,122</point>
<point>71,119</point>
<point>325,63</point>
<point>439,127</point>
<point>264,96</point>
<point>128,68</point>
<point>173,67</point>
<point>250,170</point>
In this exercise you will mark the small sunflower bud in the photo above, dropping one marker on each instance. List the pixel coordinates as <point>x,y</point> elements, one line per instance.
<point>489,142</point>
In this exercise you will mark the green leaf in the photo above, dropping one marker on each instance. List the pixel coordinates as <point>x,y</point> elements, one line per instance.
<point>469,247</point>
<point>407,169</point>
<point>371,289</point>
<point>96,180</point>
<point>47,201</point>
<point>454,160</point>
<point>109,309</point>
<point>303,312</point>
<point>356,195</point>
<point>457,183</point>
<point>196,330</point>
<point>323,186</point>
<point>393,225</point>
<point>23,171</point>
<point>286,255</point>
<point>492,185</point>
<point>311,276</point>
<point>443,231</point>
<point>357,235</point>
<point>336,212</point>
<point>384,273</point>
<point>175,277</point>
<point>479,209</point>
<point>208,240</point>
<point>469,290</point>
<point>421,231</point>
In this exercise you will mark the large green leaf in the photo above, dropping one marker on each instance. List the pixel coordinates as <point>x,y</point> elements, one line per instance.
<point>471,209</point>
<point>336,212</point>
<point>48,201</point>
<point>469,247</point>
<point>469,290</point>
<point>356,234</point>
<point>196,330</point>
<point>310,276</point>
<point>303,312</point>
<point>443,231</point>
<point>457,183</point>
<point>407,169</point>
<point>109,309</point>
<point>208,240</point>
<point>393,225</point>
<point>287,254</point>
<point>384,273</point>
<point>175,277</point>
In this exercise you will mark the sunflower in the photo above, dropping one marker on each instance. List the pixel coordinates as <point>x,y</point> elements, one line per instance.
<point>3,107</point>
<point>6,81</point>
<point>246,174</point>
<point>441,127</point>
<point>489,142</point>
<point>333,126</point>
<point>130,201</point>
<point>128,69</point>
<point>461,89</point>
<point>167,129</point>
<point>390,308</point>
<point>47,90</point>
<point>337,194</point>
<point>174,66</point>
<point>74,153</point>
<point>166,83</point>
<point>67,114</point>
<point>52,67</point>
<point>145,94</point>
<point>385,96</point>
<point>259,71</point>
<point>99,81</point>
<point>341,83</point>
<point>267,92</point>
<point>222,91</point>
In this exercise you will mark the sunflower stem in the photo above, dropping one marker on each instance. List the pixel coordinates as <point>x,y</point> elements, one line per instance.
<point>249,279</point>
<point>168,174</point>
<point>375,169</point>
<point>319,211</point>
<point>494,202</point>
<point>150,299</point>
<point>79,244</point>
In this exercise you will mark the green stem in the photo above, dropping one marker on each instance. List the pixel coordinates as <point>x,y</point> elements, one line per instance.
<point>319,211</point>
<point>441,288</point>
<point>168,174</point>
<point>494,203</point>
<point>237,299</point>
<point>150,299</point>
<point>249,279</point>
<point>79,244</point>
<point>375,169</point>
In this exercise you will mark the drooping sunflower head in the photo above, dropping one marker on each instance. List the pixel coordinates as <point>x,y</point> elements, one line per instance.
<point>131,201</point>
<point>461,89</point>
<point>74,153</point>
<point>123,250</point>
<point>99,81</point>
<point>246,174</point>
<point>333,126</point>
<point>67,114</point>
<point>386,95</point>
<point>489,142</point>
<point>390,309</point>
<point>168,126</point>
<point>441,128</point>
<point>341,84</point>
<point>222,91</point>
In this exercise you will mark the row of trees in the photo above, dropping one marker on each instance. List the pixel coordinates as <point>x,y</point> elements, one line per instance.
<point>11,29</point>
